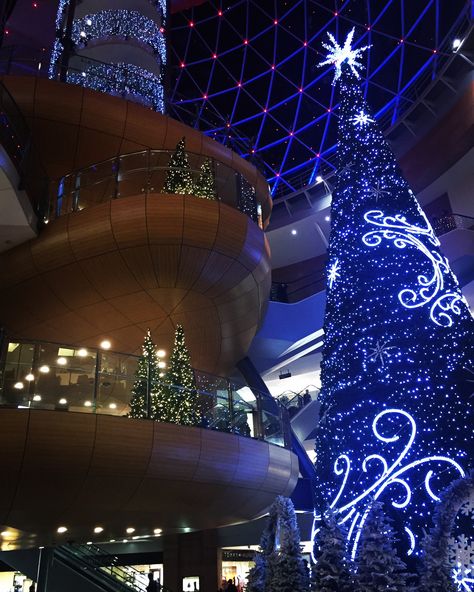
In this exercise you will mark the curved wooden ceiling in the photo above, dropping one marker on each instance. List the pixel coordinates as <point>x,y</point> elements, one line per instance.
<point>116,269</point>
<point>82,471</point>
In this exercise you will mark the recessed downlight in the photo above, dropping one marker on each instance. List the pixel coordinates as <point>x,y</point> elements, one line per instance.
<point>62,529</point>
<point>130,530</point>
<point>98,529</point>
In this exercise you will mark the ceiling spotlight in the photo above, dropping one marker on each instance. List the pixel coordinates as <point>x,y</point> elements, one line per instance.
<point>82,353</point>
<point>161,353</point>
<point>29,377</point>
<point>63,401</point>
<point>456,43</point>
<point>294,232</point>
<point>61,361</point>
<point>327,218</point>
<point>62,529</point>
<point>44,369</point>
<point>130,530</point>
<point>37,398</point>
<point>105,344</point>
<point>87,404</point>
<point>98,529</point>
<point>157,531</point>
<point>18,385</point>
<point>5,533</point>
<point>319,179</point>
<point>112,405</point>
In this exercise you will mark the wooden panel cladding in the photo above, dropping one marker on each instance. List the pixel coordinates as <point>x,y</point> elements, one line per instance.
<point>116,269</point>
<point>84,470</point>
<point>74,127</point>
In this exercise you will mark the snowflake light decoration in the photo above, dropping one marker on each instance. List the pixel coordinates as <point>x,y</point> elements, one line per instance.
<point>379,351</point>
<point>377,191</point>
<point>334,272</point>
<point>339,55</point>
<point>361,119</point>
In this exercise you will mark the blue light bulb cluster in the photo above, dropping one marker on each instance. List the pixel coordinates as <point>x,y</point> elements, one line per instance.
<point>396,422</point>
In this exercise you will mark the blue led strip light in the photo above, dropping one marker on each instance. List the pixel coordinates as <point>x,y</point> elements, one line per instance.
<point>119,23</point>
<point>292,157</point>
<point>396,420</point>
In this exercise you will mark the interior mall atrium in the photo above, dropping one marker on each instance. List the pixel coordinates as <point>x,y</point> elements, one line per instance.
<point>236,295</point>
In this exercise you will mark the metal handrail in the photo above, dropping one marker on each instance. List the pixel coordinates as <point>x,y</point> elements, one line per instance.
<point>70,188</point>
<point>221,406</point>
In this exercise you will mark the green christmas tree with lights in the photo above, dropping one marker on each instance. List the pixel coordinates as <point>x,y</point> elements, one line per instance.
<point>179,178</point>
<point>205,185</point>
<point>147,381</point>
<point>177,400</point>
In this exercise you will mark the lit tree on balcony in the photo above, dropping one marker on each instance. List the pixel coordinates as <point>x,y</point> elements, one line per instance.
<point>146,382</point>
<point>177,400</point>
<point>179,178</point>
<point>205,185</point>
<point>395,419</point>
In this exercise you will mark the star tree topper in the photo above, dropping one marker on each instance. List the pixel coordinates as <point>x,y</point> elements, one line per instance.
<point>339,55</point>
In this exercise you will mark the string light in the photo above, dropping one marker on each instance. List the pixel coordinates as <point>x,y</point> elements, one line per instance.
<point>399,342</point>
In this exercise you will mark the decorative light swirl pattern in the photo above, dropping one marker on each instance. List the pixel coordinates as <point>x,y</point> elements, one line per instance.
<point>430,290</point>
<point>353,507</point>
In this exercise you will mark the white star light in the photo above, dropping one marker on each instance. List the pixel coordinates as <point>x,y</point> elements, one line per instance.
<point>377,191</point>
<point>362,119</point>
<point>334,272</point>
<point>380,350</point>
<point>338,55</point>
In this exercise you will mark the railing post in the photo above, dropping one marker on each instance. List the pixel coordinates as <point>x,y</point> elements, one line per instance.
<point>259,430</point>
<point>230,403</point>
<point>96,378</point>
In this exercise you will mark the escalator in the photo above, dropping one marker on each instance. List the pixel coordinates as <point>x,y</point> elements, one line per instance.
<point>78,568</point>
<point>302,496</point>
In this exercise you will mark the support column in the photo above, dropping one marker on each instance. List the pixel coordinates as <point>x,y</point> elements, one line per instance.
<point>45,557</point>
<point>192,554</point>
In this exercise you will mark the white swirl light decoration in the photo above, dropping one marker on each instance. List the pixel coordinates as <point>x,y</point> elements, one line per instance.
<point>353,507</point>
<point>431,290</point>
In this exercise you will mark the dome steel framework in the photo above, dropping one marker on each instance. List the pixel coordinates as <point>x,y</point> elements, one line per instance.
<point>247,73</point>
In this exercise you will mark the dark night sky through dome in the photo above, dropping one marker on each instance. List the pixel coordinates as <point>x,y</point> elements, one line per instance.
<point>245,72</point>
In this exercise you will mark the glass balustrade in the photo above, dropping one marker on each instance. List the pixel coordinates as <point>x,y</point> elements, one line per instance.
<point>144,172</point>
<point>58,377</point>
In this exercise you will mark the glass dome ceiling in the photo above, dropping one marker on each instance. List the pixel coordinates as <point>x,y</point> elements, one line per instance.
<point>246,72</point>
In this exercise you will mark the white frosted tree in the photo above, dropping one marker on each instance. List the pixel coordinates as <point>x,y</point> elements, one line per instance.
<point>286,569</point>
<point>378,566</point>
<point>331,572</point>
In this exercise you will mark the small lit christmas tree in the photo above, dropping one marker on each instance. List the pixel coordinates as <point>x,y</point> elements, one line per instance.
<point>205,185</point>
<point>378,566</point>
<point>147,381</point>
<point>331,572</point>
<point>179,178</point>
<point>177,400</point>
<point>286,569</point>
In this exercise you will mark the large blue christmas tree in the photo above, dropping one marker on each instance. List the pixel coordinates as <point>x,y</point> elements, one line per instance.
<point>396,423</point>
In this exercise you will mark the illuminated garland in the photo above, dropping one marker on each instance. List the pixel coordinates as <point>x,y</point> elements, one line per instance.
<point>119,23</point>
<point>125,80</point>
<point>431,289</point>
<point>353,505</point>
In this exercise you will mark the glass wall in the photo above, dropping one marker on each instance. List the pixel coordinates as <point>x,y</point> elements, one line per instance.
<point>42,375</point>
<point>145,172</point>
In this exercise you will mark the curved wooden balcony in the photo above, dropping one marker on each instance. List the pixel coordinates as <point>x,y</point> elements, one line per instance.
<point>85,471</point>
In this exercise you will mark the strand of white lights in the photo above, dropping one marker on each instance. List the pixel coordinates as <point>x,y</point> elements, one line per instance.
<point>120,23</point>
